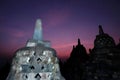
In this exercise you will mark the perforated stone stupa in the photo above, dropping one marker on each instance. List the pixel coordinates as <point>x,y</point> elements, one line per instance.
<point>36,61</point>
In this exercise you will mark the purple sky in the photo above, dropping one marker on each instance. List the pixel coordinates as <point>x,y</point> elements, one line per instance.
<point>64,21</point>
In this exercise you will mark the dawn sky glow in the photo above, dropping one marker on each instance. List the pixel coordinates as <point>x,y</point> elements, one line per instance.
<point>64,21</point>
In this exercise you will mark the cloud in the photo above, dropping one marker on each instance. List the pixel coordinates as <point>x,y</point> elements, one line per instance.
<point>63,50</point>
<point>64,45</point>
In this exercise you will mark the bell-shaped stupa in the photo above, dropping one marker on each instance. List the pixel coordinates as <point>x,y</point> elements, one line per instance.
<point>36,61</point>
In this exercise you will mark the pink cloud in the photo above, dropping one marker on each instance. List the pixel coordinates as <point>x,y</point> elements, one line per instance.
<point>63,50</point>
<point>13,32</point>
<point>63,45</point>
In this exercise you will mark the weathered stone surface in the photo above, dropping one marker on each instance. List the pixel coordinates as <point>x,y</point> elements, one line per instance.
<point>35,63</point>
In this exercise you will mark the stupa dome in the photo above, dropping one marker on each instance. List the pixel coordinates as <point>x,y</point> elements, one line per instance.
<point>103,40</point>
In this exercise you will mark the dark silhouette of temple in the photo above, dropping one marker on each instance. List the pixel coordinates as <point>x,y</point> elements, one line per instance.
<point>73,68</point>
<point>102,63</point>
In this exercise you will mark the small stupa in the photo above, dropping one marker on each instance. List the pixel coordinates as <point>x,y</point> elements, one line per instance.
<point>36,61</point>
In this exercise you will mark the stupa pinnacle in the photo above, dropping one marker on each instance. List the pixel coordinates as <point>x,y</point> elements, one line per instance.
<point>101,30</point>
<point>38,36</point>
<point>38,31</point>
<point>79,41</point>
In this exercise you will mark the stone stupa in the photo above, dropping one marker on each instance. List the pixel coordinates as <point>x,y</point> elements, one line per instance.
<point>36,61</point>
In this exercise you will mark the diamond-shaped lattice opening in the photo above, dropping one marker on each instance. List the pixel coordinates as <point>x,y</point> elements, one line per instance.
<point>37,76</point>
<point>42,67</point>
<point>38,60</point>
<point>32,67</point>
